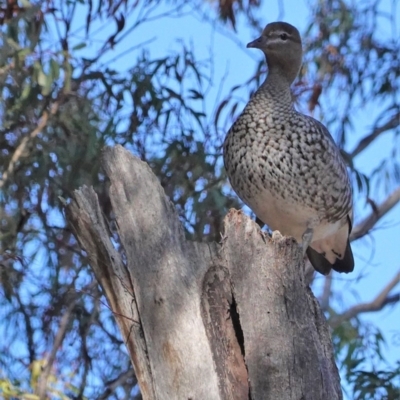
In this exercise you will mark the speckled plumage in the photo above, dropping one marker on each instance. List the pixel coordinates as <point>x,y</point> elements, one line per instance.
<point>285,165</point>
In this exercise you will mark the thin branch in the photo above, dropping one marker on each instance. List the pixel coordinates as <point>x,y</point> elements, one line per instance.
<point>29,330</point>
<point>380,301</point>
<point>62,331</point>
<point>20,150</point>
<point>367,140</point>
<point>377,213</point>
<point>121,380</point>
<point>136,46</point>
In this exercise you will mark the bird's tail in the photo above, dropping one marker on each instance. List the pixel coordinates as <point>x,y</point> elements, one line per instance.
<point>323,266</point>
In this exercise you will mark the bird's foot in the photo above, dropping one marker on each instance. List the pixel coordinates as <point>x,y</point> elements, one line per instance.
<point>276,235</point>
<point>306,240</point>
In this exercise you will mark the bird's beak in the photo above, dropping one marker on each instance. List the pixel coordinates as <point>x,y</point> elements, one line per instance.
<point>257,44</point>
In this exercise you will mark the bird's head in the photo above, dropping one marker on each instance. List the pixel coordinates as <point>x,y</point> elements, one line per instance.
<point>281,44</point>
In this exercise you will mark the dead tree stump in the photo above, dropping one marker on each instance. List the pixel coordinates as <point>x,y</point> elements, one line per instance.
<point>203,321</point>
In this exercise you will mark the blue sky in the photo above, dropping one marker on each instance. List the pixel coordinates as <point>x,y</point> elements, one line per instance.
<point>377,254</point>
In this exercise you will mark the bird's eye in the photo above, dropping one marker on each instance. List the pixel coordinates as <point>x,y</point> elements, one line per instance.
<point>284,36</point>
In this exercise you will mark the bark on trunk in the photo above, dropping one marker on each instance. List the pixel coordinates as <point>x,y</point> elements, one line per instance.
<point>233,320</point>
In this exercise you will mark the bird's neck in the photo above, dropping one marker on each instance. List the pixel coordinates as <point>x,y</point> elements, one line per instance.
<point>278,86</point>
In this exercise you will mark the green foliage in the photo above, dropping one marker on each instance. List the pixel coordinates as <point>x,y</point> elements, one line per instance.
<point>56,387</point>
<point>348,61</point>
<point>358,349</point>
<point>376,384</point>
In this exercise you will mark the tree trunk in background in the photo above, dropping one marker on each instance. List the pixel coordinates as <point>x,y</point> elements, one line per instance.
<point>203,321</point>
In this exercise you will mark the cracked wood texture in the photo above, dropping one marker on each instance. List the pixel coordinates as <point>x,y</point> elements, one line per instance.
<point>203,321</point>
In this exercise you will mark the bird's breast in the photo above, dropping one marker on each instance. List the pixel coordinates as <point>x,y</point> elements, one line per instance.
<point>289,217</point>
<point>286,174</point>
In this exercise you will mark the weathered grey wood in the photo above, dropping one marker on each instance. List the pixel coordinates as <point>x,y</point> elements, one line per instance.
<point>89,226</point>
<point>204,321</point>
<point>223,331</point>
<point>285,337</point>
